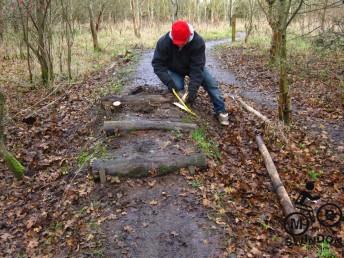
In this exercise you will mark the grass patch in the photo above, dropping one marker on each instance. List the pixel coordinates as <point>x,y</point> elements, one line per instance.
<point>314,175</point>
<point>208,147</point>
<point>259,41</point>
<point>178,135</point>
<point>97,151</point>
<point>325,251</point>
<point>196,183</point>
<point>298,45</point>
<point>216,34</point>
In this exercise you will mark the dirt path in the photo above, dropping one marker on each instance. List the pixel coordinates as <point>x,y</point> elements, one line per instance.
<point>144,74</point>
<point>163,216</point>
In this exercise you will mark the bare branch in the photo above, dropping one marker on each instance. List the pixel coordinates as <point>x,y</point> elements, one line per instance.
<point>295,12</point>
<point>333,5</point>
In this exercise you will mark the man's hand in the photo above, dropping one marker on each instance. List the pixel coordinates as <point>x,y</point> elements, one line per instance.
<point>171,85</point>
<point>192,95</point>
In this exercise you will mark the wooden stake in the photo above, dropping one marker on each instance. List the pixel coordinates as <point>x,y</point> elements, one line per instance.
<point>233,27</point>
<point>102,176</point>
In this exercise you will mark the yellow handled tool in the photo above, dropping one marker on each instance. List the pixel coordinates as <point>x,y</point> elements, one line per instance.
<point>182,104</point>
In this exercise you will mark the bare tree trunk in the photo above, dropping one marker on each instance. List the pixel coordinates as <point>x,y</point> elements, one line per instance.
<point>230,11</point>
<point>284,107</point>
<point>278,52</point>
<point>2,22</point>
<point>69,32</point>
<point>275,47</point>
<point>13,164</point>
<point>323,16</point>
<point>135,8</point>
<point>42,39</point>
<point>59,52</point>
<point>249,23</point>
<point>233,28</point>
<point>100,15</point>
<point>43,47</point>
<point>175,5</point>
<point>94,32</point>
<point>28,56</point>
<point>199,12</point>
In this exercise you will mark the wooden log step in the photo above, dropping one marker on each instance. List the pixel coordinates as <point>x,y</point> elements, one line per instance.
<point>140,124</point>
<point>145,165</point>
<point>132,100</point>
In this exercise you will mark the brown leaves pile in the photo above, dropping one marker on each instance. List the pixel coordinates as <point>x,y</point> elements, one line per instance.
<point>239,190</point>
<point>46,212</point>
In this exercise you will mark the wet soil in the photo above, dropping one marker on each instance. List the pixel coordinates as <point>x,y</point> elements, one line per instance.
<point>164,216</point>
<point>164,219</point>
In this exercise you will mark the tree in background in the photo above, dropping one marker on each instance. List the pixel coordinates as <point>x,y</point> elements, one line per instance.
<point>13,164</point>
<point>69,31</point>
<point>250,7</point>
<point>136,16</point>
<point>36,21</point>
<point>94,31</point>
<point>2,23</point>
<point>175,6</point>
<point>279,14</point>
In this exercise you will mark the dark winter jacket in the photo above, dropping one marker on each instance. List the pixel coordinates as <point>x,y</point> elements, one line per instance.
<point>189,60</point>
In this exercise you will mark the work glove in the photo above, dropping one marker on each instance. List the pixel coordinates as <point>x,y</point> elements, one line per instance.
<point>192,94</point>
<point>171,85</point>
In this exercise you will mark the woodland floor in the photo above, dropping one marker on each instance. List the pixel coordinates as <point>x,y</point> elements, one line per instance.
<point>58,210</point>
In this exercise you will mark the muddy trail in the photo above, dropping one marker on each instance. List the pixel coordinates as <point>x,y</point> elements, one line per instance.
<point>226,209</point>
<point>217,212</point>
<point>250,90</point>
<point>158,216</point>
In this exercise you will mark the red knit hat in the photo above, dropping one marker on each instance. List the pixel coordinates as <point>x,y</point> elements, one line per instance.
<point>180,32</point>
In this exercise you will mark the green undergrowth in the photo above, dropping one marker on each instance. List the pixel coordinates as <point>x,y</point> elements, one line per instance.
<point>217,34</point>
<point>98,151</point>
<point>325,250</point>
<point>209,147</point>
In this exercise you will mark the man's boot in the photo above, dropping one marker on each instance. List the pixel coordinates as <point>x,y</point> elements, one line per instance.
<point>223,118</point>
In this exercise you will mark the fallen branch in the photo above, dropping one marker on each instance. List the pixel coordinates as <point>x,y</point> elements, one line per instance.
<point>144,165</point>
<point>275,126</point>
<point>253,111</point>
<point>277,184</point>
<point>110,126</point>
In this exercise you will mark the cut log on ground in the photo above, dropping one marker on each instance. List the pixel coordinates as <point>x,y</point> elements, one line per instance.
<point>133,100</point>
<point>133,125</point>
<point>276,127</point>
<point>277,184</point>
<point>145,165</point>
<point>253,111</point>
